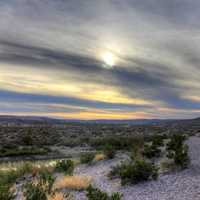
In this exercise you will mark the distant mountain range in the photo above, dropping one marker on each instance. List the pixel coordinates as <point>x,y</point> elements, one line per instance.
<point>4,119</point>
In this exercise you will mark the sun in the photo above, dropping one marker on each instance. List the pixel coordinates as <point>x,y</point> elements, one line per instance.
<point>108,59</point>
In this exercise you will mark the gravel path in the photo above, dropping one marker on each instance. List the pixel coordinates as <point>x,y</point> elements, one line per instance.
<point>183,185</point>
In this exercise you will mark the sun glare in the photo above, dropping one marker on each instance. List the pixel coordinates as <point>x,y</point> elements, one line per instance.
<point>108,59</point>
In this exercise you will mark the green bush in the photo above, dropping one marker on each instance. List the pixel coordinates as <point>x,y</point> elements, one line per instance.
<point>109,151</point>
<point>97,194</point>
<point>151,151</point>
<point>39,190</point>
<point>66,166</point>
<point>158,140</point>
<point>178,151</point>
<point>135,172</point>
<point>35,192</point>
<point>5,193</point>
<point>27,138</point>
<point>87,158</point>
<point>116,170</point>
<point>47,180</point>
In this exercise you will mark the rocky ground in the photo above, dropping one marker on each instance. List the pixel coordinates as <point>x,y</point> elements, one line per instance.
<point>184,185</point>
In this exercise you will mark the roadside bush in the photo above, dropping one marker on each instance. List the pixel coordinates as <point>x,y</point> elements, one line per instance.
<point>136,172</point>
<point>109,151</point>
<point>97,194</point>
<point>66,166</point>
<point>178,151</point>
<point>87,158</point>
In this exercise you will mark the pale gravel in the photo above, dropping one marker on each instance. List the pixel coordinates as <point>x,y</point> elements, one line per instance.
<point>184,185</point>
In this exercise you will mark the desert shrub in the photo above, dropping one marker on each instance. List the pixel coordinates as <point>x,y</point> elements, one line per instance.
<point>135,172</point>
<point>158,140</point>
<point>97,194</point>
<point>178,151</point>
<point>27,138</point>
<point>47,180</point>
<point>87,158</point>
<point>136,151</point>
<point>6,193</point>
<point>109,151</point>
<point>116,170</point>
<point>35,191</point>
<point>151,151</point>
<point>66,166</point>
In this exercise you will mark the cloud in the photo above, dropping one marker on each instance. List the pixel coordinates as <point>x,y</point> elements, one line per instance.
<point>50,52</point>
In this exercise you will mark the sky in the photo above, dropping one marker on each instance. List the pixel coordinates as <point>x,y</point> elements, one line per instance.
<point>100,59</point>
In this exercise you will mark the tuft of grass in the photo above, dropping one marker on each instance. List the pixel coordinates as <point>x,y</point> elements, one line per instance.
<point>99,157</point>
<point>97,194</point>
<point>73,182</point>
<point>6,193</point>
<point>35,191</point>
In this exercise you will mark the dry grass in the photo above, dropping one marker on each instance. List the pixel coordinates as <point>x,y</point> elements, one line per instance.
<point>57,196</point>
<point>61,196</point>
<point>73,182</point>
<point>99,157</point>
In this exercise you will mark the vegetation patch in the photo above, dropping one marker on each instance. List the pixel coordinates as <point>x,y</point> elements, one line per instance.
<point>87,158</point>
<point>178,151</point>
<point>109,151</point>
<point>97,194</point>
<point>22,151</point>
<point>134,173</point>
<point>73,182</point>
<point>39,188</point>
<point>66,166</point>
